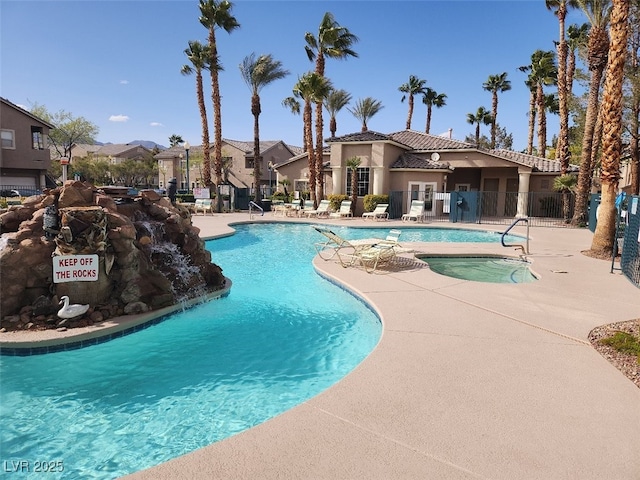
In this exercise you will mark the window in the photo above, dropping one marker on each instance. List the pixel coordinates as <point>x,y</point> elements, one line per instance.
<point>363,181</point>
<point>37,138</point>
<point>248,162</point>
<point>8,138</point>
<point>301,185</point>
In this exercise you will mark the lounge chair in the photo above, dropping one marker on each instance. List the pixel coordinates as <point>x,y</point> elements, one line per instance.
<point>334,243</point>
<point>323,210</point>
<point>416,211</point>
<point>344,212</point>
<point>380,212</point>
<point>308,207</point>
<point>374,256</point>
<point>204,204</point>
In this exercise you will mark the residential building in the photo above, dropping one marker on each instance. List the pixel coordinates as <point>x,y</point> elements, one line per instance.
<point>24,156</point>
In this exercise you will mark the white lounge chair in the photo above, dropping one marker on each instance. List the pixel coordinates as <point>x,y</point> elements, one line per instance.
<point>323,210</point>
<point>416,211</point>
<point>334,243</point>
<point>344,212</point>
<point>380,212</point>
<point>204,204</point>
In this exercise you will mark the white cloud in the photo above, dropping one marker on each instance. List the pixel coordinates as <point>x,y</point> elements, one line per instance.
<point>124,82</point>
<point>156,124</point>
<point>118,118</point>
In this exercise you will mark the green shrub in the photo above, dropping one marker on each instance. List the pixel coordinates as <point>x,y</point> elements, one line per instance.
<point>623,342</point>
<point>185,198</point>
<point>335,201</point>
<point>370,202</point>
<point>280,196</point>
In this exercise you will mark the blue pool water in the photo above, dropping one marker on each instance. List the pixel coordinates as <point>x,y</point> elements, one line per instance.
<point>283,335</point>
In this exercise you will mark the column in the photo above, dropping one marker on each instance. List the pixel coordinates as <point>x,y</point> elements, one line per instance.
<point>378,180</point>
<point>523,193</point>
<point>336,176</point>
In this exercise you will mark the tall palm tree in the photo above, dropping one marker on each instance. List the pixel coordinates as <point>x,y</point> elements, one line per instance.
<point>199,57</point>
<point>258,72</point>
<point>633,75</point>
<point>335,101</point>
<point>604,235</point>
<point>310,87</point>
<point>364,109</point>
<point>352,165</point>
<point>175,140</point>
<point>542,72</point>
<point>415,86</point>
<point>332,41</point>
<point>216,14</point>
<point>496,84</point>
<point>431,99</point>
<point>293,104</point>
<point>597,12</point>
<point>560,8</point>
<point>578,37</point>
<point>481,116</point>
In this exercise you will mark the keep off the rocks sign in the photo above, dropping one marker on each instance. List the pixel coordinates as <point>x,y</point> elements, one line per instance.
<point>75,268</point>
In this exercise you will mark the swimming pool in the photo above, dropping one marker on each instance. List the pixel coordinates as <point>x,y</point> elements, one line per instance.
<point>283,335</point>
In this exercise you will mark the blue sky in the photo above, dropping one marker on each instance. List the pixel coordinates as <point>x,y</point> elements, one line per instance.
<point>117,63</point>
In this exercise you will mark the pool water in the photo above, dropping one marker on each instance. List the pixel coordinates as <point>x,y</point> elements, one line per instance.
<point>283,335</point>
<point>481,269</point>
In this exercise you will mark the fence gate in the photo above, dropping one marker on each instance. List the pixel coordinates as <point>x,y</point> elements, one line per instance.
<point>630,256</point>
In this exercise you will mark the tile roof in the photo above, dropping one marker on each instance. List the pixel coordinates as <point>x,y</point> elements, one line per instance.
<point>424,141</point>
<point>368,136</point>
<point>410,160</point>
<point>538,164</point>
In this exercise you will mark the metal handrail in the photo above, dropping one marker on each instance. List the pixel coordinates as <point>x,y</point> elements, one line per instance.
<point>254,204</point>
<point>525,249</point>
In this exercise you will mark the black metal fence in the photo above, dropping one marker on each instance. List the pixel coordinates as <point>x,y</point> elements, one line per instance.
<point>549,209</point>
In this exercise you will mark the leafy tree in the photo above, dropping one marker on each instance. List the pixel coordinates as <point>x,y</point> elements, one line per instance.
<point>332,41</point>
<point>69,129</point>
<point>482,115</point>
<point>257,73</point>
<point>335,101</point>
<point>199,57</point>
<point>415,86</point>
<point>175,140</point>
<point>214,15</point>
<point>496,84</point>
<point>431,99</point>
<point>364,109</point>
<point>604,235</point>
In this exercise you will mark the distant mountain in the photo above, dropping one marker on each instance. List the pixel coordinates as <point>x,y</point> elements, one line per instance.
<point>148,144</point>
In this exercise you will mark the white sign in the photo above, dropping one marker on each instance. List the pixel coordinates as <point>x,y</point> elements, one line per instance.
<point>75,268</point>
<point>201,193</point>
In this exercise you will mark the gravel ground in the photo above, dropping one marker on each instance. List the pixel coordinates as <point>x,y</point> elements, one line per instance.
<point>629,365</point>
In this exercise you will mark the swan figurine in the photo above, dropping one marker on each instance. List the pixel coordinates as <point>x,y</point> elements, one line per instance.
<point>71,311</point>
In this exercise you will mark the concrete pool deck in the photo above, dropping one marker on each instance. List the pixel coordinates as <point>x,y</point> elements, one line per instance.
<point>469,380</point>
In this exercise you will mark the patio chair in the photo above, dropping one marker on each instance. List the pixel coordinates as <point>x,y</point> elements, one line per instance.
<point>344,212</point>
<point>203,204</point>
<point>416,211</point>
<point>323,210</point>
<point>374,256</point>
<point>334,243</point>
<point>308,207</point>
<point>380,212</point>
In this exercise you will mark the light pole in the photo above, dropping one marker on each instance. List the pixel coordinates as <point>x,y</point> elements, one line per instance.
<point>270,167</point>
<point>186,149</point>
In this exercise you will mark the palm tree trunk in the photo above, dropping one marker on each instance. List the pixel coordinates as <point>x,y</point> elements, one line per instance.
<point>532,121</point>
<point>206,176</point>
<point>563,153</point>
<point>542,122</point>
<point>308,137</point>
<point>604,235</point>
<point>319,152</point>
<point>494,112</point>
<point>428,126</point>
<point>257,159</point>
<point>410,114</point>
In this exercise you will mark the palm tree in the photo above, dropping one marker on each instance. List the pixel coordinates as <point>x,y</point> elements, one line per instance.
<point>199,57</point>
<point>559,8</point>
<point>597,12</point>
<point>577,38</point>
<point>565,183</point>
<point>365,109</point>
<point>481,116</point>
<point>310,87</point>
<point>633,74</point>
<point>415,86</point>
<point>431,99</point>
<point>352,165</point>
<point>175,139</point>
<point>257,73</point>
<point>604,235</point>
<point>336,101</point>
<point>293,104</point>
<point>333,41</point>
<point>542,72</point>
<point>496,84</point>
<point>216,14</point>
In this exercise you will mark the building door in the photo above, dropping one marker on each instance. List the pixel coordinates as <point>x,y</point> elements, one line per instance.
<point>423,191</point>
<point>511,200</point>
<point>490,197</point>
